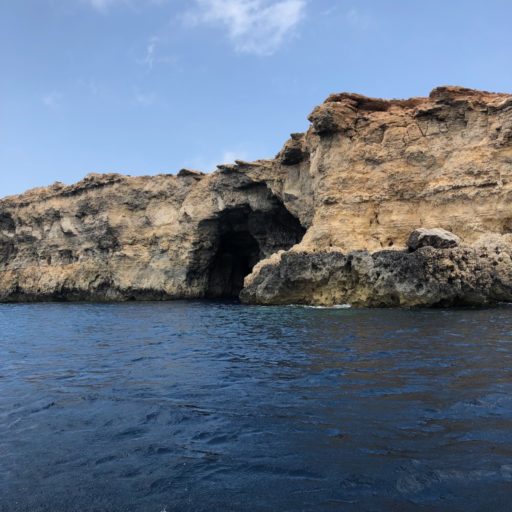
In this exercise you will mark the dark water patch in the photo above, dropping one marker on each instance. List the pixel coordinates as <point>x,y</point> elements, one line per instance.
<point>211,406</point>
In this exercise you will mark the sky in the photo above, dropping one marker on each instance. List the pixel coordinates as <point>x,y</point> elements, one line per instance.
<point>153,86</point>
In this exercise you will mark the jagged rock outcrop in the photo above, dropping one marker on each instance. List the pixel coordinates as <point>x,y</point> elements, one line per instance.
<point>112,237</point>
<point>438,238</point>
<point>380,203</point>
<point>456,276</point>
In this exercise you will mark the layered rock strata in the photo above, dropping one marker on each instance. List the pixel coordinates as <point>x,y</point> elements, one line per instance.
<point>379,203</point>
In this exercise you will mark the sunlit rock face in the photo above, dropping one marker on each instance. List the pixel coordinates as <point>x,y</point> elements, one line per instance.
<point>112,237</point>
<point>379,203</point>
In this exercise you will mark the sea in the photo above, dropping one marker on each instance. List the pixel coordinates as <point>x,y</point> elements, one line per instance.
<point>218,406</point>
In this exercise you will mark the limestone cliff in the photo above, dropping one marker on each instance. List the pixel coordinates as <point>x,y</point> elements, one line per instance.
<point>327,221</point>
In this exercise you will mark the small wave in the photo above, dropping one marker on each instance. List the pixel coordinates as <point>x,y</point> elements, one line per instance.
<point>334,306</point>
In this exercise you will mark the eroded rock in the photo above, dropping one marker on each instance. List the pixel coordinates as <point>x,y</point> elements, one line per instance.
<point>325,222</point>
<point>437,238</point>
<point>293,151</point>
<point>426,277</point>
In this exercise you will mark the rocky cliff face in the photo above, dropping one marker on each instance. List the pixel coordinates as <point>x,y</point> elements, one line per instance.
<point>329,220</point>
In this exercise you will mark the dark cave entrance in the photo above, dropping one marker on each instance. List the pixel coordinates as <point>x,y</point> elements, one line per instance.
<point>236,256</point>
<point>237,239</point>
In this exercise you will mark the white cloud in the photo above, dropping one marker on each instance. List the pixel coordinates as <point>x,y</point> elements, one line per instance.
<point>257,27</point>
<point>52,99</point>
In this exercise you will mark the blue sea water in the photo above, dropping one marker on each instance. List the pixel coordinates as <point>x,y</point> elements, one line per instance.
<point>205,406</point>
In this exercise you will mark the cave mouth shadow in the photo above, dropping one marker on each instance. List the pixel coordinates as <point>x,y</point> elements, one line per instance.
<point>241,237</point>
<point>235,258</point>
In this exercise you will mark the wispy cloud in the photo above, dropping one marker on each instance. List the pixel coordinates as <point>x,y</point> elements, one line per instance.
<point>156,52</point>
<point>359,20</point>
<point>145,99</point>
<point>149,58</point>
<point>91,86</point>
<point>229,157</point>
<point>52,99</point>
<point>208,164</point>
<point>103,6</point>
<point>256,27</point>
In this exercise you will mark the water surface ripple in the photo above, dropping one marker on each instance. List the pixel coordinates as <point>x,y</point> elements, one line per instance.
<point>197,406</point>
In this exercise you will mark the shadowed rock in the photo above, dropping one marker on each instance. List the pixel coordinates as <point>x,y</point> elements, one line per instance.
<point>437,238</point>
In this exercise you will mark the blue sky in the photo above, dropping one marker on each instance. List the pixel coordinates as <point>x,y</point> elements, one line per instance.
<point>151,86</point>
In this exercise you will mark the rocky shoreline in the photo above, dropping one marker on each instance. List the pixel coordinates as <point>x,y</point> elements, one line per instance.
<point>380,203</point>
<point>429,276</point>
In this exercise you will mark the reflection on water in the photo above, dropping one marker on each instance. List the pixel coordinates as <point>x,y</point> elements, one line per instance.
<point>207,406</point>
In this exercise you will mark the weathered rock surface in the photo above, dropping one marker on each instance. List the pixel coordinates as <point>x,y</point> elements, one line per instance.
<point>458,276</point>
<point>356,210</point>
<point>112,237</point>
<point>438,238</point>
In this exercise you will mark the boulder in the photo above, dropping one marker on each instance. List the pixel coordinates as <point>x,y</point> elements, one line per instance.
<point>190,173</point>
<point>438,238</point>
<point>293,151</point>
